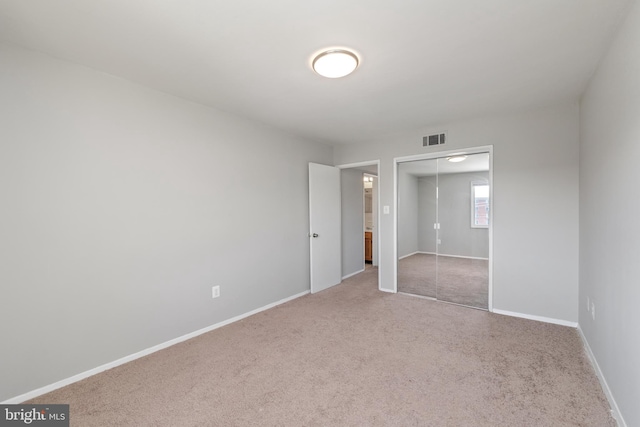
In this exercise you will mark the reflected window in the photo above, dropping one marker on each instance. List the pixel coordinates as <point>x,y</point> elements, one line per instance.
<point>479,205</point>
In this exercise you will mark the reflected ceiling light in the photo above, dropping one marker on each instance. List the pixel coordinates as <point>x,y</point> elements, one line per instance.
<point>335,63</point>
<point>456,159</point>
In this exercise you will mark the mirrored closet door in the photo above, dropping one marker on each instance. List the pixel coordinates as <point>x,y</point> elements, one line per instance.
<point>443,229</point>
<point>417,234</point>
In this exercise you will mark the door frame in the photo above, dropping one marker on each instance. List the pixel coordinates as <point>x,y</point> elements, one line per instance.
<point>377,225</point>
<point>437,155</point>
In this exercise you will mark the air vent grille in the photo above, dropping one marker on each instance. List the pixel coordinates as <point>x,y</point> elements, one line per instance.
<point>435,139</point>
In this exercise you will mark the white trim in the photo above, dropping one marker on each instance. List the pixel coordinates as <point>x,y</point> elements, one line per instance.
<point>352,274</point>
<point>447,255</point>
<point>615,410</point>
<point>408,255</point>
<point>62,383</point>
<point>491,217</point>
<point>462,256</point>
<point>537,318</point>
<point>360,164</point>
<point>376,236</point>
<point>462,305</point>
<point>418,296</point>
<point>395,227</point>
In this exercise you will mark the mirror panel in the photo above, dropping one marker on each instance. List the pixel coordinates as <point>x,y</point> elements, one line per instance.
<point>417,211</point>
<point>463,213</point>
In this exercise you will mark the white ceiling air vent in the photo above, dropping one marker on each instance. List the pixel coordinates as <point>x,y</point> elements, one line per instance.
<point>435,139</point>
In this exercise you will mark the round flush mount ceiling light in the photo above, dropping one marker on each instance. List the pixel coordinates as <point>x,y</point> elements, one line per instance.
<point>335,63</point>
<point>456,159</point>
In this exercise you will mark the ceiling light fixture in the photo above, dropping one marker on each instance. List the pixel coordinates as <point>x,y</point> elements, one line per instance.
<point>335,63</point>
<point>456,159</point>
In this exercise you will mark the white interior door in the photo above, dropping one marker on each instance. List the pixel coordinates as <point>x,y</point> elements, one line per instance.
<point>325,226</point>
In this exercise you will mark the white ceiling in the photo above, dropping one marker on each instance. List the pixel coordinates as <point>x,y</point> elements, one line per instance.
<point>472,163</point>
<point>423,62</point>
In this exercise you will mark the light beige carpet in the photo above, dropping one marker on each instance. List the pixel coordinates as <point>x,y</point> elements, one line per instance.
<point>462,281</point>
<point>353,356</point>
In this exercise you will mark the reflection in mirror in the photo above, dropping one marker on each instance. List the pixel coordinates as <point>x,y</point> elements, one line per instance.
<point>463,214</point>
<point>417,210</point>
<point>443,236</point>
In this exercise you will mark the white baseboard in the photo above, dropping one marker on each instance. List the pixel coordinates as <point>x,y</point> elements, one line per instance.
<point>447,255</point>
<point>352,274</point>
<point>51,387</point>
<point>615,411</point>
<point>419,296</point>
<point>408,255</point>
<point>538,318</point>
<point>465,257</point>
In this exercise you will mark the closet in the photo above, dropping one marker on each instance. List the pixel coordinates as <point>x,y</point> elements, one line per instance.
<point>443,224</point>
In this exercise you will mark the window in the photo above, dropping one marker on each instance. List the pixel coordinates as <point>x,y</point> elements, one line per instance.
<point>479,205</point>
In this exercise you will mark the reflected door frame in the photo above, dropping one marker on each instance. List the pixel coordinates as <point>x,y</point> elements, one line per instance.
<point>436,155</point>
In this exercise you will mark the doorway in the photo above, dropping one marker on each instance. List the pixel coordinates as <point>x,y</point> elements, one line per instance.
<point>370,193</point>
<point>360,218</point>
<point>444,227</point>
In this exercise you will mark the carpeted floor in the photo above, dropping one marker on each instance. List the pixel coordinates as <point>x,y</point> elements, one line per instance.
<point>353,356</point>
<point>459,280</point>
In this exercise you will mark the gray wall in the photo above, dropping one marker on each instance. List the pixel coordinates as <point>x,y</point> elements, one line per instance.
<point>122,206</point>
<point>453,210</point>
<point>609,225</point>
<point>535,259</point>
<point>427,213</point>
<point>407,214</point>
<point>352,221</point>
<point>454,214</point>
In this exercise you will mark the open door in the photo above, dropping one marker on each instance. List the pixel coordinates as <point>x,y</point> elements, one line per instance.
<point>325,226</point>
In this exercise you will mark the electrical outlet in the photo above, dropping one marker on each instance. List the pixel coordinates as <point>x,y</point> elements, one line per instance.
<point>593,310</point>
<point>215,292</point>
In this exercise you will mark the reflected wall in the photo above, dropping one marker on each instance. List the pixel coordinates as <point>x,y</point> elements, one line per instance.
<point>443,234</point>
